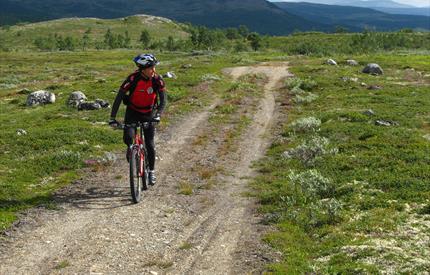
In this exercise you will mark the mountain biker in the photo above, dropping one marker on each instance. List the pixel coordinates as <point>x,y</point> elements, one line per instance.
<point>140,92</point>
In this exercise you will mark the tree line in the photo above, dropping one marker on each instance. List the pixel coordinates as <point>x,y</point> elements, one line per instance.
<point>237,40</point>
<point>200,38</point>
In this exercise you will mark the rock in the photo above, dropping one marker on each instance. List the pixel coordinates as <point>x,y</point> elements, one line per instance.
<point>169,75</point>
<point>103,103</point>
<point>186,66</point>
<point>21,132</point>
<point>369,112</point>
<point>374,87</point>
<point>373,69</point>
<point>362,84</point>
<point>76,98</point>
<point>40,97</point>
<point>331,62</point>
<point>352,62</point>
<point>89,106</point>
<point>347,78</point>
<point>381,122</point>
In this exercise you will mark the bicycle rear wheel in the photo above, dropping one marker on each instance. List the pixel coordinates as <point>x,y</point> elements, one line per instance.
<point>135,179</point>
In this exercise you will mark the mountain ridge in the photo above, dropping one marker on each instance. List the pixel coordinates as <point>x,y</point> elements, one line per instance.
<point>258,15</point>
<point>355,18</point>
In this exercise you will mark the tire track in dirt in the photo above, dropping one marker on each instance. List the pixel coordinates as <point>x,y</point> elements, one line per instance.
<point>98,230</point>
<point>235,220</point>
<point>92,211</point>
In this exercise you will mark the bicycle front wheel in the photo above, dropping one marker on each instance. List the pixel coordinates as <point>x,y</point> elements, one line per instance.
<point>135,178</point>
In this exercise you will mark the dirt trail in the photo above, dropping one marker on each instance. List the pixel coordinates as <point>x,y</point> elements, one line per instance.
<point>97,230</point>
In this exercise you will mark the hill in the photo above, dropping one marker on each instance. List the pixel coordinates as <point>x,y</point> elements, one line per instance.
<point>354,18</point>
<point>257,15</point>
<point>23,35</point>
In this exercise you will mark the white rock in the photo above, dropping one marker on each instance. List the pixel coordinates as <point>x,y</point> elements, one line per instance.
<point>352,62</point>
<point>40,97</point>
<point>170,75</point>
<point>331,62</point>
<point>76,98</point>
<point>21,132</point>
<point>373,68</point>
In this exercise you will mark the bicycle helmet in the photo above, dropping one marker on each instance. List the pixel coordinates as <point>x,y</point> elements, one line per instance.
<point>144,61</point>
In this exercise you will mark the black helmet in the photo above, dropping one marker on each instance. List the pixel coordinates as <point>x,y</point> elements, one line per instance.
<point>144,61</point>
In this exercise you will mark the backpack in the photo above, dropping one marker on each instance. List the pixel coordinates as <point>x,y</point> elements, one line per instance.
<point>133,85</point>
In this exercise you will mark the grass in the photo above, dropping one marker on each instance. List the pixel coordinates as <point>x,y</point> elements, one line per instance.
<point>185,188</point>
<point>348,205</point>
<point>159,264</point>
<point>21,37</point>
<point>62,264</point>
<point>186,246</point>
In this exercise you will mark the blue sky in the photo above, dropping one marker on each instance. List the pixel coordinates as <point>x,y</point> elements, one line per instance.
<point>418,3</point>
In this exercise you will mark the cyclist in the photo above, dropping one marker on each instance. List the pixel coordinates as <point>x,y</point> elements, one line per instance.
<point>140,92</point>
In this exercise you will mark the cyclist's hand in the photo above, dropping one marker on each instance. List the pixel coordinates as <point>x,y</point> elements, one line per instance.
<point>113,123</point>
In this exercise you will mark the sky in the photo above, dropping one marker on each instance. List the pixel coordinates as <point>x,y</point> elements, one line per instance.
<point>417,3</point>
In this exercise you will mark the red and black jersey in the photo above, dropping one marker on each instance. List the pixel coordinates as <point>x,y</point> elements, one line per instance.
<point>143,91</point>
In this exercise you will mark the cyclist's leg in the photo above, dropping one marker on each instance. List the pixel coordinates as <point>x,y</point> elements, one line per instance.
<point>150,145</point>
<point>129,132</point>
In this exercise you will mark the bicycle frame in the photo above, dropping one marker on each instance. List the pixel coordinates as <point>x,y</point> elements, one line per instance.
<point>140,145</point>
<point>138,164</point>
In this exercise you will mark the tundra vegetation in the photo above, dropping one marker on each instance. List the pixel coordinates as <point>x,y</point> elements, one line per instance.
<point>346,195</point>
<point>349,195</point>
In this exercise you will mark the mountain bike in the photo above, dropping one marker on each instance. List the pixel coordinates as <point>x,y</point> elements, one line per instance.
<point>139,165</point>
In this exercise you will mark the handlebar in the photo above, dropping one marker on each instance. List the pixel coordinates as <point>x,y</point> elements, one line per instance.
<point>144,125</point>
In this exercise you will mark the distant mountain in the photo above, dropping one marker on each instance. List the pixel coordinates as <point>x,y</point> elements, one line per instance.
<point>257,15</point>
<point>372,4</point>
<point>411,11</point>
<point>386,6</point>
<point>356,3</point>
<point>354,17</point>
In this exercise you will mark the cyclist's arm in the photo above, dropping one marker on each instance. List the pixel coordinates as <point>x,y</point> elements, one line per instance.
<point>163,101</point>
<point>117,103</point>
<point>125,86</point>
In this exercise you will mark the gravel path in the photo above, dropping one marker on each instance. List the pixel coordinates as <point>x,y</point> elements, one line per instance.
<point>98,230</point>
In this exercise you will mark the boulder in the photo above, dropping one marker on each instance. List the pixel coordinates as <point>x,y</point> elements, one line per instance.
<point>331,62</point>
<point>103,103</point>
<point>89,106</point>
<point>76,98</point>
<point>369,112</point>
<point>347,79</point>
<point>352,62</point>
<point>169,75</point>
<point>373,69</point>
<point>40,97</point>
<point>21,132</point>
<point>374,87</point>
<point>381,122</point>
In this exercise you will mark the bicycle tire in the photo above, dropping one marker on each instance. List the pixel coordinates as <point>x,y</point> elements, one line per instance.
<point>135,179</point>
